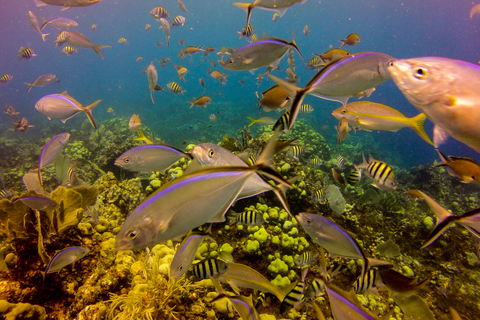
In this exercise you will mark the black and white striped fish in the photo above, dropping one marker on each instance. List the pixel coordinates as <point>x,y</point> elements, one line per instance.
<point>296,151</point>
<point>178,21</point>
<point>282,122</point>
<point>319,196</point>
<point>305,259</point>
<point>316,288</point>
<point>175,88</point>
<point>293,298</point>
<point>354,177</point>
<point>6,78</point>
<point>246,32</point>
<point>340,162</point>
<point>368,282</point>
<point>314,162</point>
<point>26,53</point>
<point>306,108</point>
<point>209,267</point>
<point>380,172</point>
<point>250,218</point>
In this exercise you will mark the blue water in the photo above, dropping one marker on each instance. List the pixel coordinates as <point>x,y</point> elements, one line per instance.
<point>399,28</point>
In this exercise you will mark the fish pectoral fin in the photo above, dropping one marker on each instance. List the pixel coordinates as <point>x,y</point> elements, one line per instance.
<point>440,136</point>
<point>248,61</point>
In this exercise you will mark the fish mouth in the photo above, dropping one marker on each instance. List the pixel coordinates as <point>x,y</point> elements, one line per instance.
<point>123,244</point>
<point>198,154</point>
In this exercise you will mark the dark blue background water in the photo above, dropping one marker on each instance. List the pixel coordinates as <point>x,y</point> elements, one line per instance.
<point>400,28</point>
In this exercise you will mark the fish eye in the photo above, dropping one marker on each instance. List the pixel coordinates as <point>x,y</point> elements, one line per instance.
<point>230,61</point>
<point>211,153</point>
<point>132,235</point>
<point>126,160</point>
<point>421,73</point>
<point>309,221</point>
<point>344,111</point>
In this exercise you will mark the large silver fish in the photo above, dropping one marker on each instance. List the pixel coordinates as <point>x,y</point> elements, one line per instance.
<point>35,25</point>
<point>340,80</point>
<point>51,151</point>
<point>334,239</point>
<point>278,6</point>
<point>191,201</point>
<point>262,53</point>
<point>62,106</point>
<point>150,158</point>
<point>41,81</point>
<point>446,90</point>
<point>66,3</point>
<point>79,40</point>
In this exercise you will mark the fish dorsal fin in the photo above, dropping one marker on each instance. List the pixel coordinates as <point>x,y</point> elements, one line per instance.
<point>263,36</point>
<point>64,93</point>
<point>464,159</point>
<point>370,159</point>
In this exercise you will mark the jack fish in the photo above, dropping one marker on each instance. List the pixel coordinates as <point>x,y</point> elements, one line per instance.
<point>278,6</point>
<point>446,90</point>
<point>79,40</point>
<point>62,106</point>
<point>340,80</point>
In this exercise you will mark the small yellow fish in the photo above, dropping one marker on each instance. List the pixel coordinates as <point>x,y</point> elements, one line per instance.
<point>175,88</point>
<point>147,27</point>
<point>306,30</point>
<point>342,130</point>
<point>111,111</point>
<point>213,118</point>
<point>351,40</point>
<point>139,59</point>
<point>466,169</point>
<point>94,27</point>
<point>134,123</point>
<point>123,41</point>
<point>202,102</point>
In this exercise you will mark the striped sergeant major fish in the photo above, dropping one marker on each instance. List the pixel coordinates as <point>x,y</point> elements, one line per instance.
<point>293,298</point>
<point>319,196</point>
<point>175,88</point>
<point>368,282</point>
<point>305,259</point>
<point>354,177</point>
<point>296,151</point>
<point>25,53</point>
<point>282,122</point>
<point>379,172</point>
<point>250,218</point>
<point>209,268</point>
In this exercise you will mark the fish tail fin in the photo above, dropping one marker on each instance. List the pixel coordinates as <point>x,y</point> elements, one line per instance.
<point>44,35</point>
<point>151,96</point>
<point>444,218</point>
<point>294,45</point>
<point>343,43</point>
<point>29,86</point>
<point>417,126</point>
<point>296,94</point>
<point>364,164</point>
<point>39,173</point>
<point>88,112</point>
<point>252,121</point>
<point>97,49</point>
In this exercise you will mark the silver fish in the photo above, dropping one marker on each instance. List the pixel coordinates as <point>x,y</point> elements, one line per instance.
<point>150,158</point>
<point>262,53</point>
<point>38,203</point>
<point>212,155</point>
<point>166,29</point>
<point>41,81</point>
<point>152,80</point>
<point>79,40</point>
<point>182,6</point>
<point>62,106</point>
<point>51,151</point>
<point>191,201</point>
<point>60,23</point>
<point>185,253</point>
<point>278,6</point>
<point>66,257</point>
<point>340,80</point>
<point>66,3</point>
<point>446,90</point>
<point>334,239</point>
<point>35,25</point>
